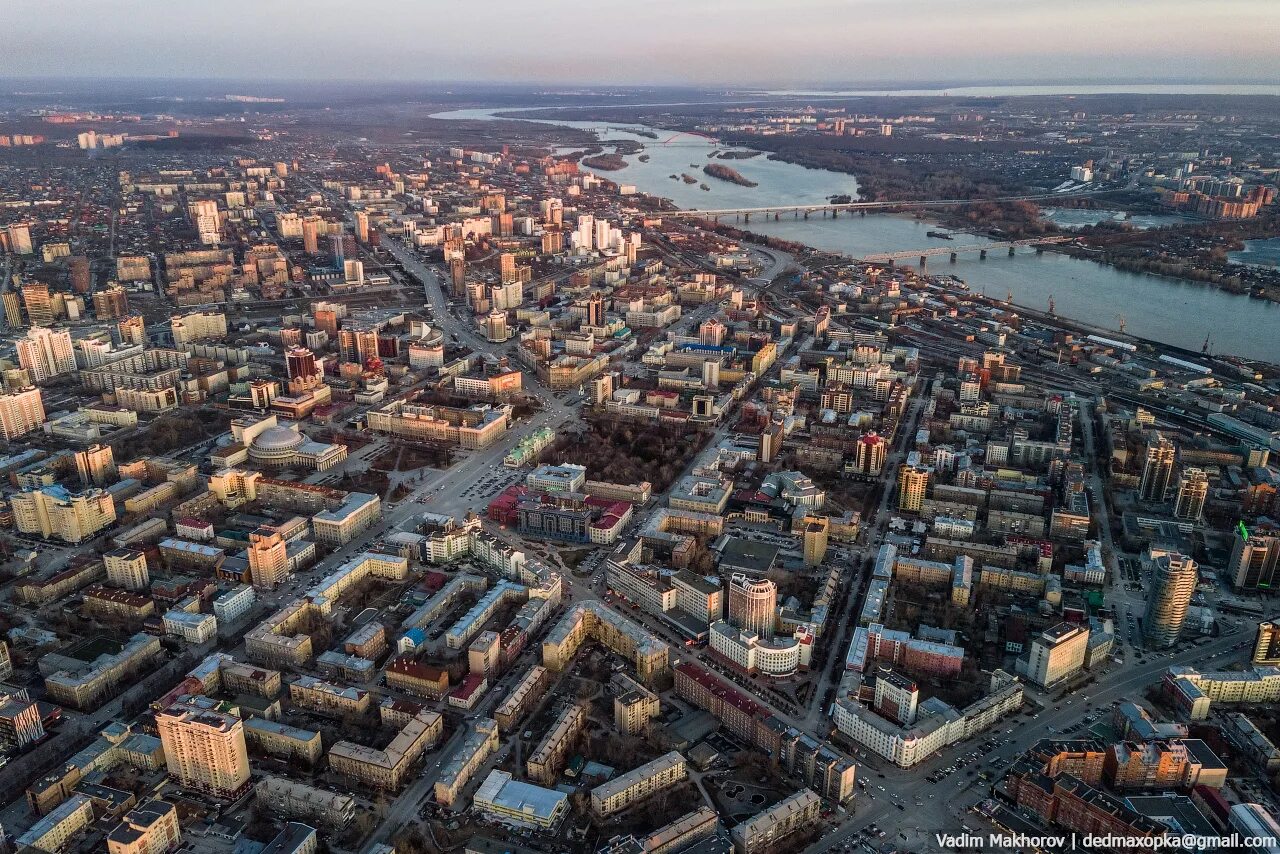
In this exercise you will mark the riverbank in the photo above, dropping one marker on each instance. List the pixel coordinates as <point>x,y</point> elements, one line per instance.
<point>1159,309</point>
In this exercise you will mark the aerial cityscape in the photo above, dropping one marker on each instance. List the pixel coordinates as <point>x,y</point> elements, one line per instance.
<point>658,434</point>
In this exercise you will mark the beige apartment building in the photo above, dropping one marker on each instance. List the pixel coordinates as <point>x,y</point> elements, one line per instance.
<point>634,786</point>
<point>204,749</point>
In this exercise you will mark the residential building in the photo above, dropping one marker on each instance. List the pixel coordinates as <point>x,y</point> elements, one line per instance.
<point>1173,582</point>
<point>204,749</point>
<point>764,829</point>
<point>634,786</point>
<point>149,828</point>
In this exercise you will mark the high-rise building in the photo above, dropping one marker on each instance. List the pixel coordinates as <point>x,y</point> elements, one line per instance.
<point>1173,582</point>
<point>13,316</point>
<point>872,450</point>
<point>1266,646</point>
<point>46,353</point>
<point>111,302</point>
<point>495,326</point>
<point>198,326</point>
<point>78,274</point>
<point>20,723</point>
<point>54,511</point>
<point>268,560</point>
<point>817,531</point>
<point>39,303</point>
<point>585,232</point>
<point>507,267</point>
<point>595,309</point>
<point>300,364</point>
<point>457,274</point>
<point>1254,560</point>
<point>711,332</point>
<point>1193,489</point>
<point>311,235</point>
<point>204,749</point>
<point>96,465</point>
<point>913,485</point>
<point>204,216</point>
<point>19,234</point>
<point>131,331</point>
<point>362,226</point>
<point>127,569</point>
<point>19,238</point>
<point>21,411</point>
<point>326,320</point>
<point>1157,469</point>
<point>753,604</point>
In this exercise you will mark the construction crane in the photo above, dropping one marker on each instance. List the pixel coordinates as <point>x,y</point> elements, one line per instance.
<point>1051,304</point>
<point>1123,322</point>
<point>1204,348</point>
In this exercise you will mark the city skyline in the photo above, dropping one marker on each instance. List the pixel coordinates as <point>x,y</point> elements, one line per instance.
<point>752,43</point>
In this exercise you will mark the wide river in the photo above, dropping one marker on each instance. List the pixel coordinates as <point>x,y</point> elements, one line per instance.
<point>1171,310</point>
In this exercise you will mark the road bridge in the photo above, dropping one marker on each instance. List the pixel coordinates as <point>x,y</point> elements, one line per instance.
<point>834,208</point>
<point>981,248</point>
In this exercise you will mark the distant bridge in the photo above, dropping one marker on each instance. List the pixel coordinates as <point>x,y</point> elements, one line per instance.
<point>834,208</point>
<point>981,248</point>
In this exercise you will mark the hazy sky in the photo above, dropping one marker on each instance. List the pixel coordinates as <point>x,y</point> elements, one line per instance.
<point>730,42</point>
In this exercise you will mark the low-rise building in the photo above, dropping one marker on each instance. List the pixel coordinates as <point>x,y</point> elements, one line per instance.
<point>634,786</point>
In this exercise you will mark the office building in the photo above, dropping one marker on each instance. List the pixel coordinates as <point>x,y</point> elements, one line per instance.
<point>46,353</point>
<point>1253,561</point>
<point>1157,469</point>
<point>20,723</point>
<point>21,412</point>
<point>1193,489</point>
<point>753,605</point>
<point>204,749</point>
<point>1173,583</point>
<point>1057,654</point>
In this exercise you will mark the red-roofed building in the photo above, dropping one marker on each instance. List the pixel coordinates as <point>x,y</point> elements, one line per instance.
<point>466,695</point>
<point>743,716</point>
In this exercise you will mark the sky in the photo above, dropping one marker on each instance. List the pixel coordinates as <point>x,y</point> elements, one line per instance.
<point>729,43</point>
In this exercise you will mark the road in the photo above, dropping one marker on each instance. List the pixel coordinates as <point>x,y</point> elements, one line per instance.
<point>909,786</point>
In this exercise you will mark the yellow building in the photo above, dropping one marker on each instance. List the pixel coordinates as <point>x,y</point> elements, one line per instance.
<point>547,759</point>
<point>594,620</point>
<point>151,828</point>
<point>387,768</point>
<point>634,786</point>
<point>56,512</point>
<point>21,412</point>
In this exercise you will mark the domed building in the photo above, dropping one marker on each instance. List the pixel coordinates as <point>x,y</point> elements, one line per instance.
<point>271,445</point>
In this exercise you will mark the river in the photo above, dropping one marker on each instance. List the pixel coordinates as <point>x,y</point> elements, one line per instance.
<point>1171,310</point>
